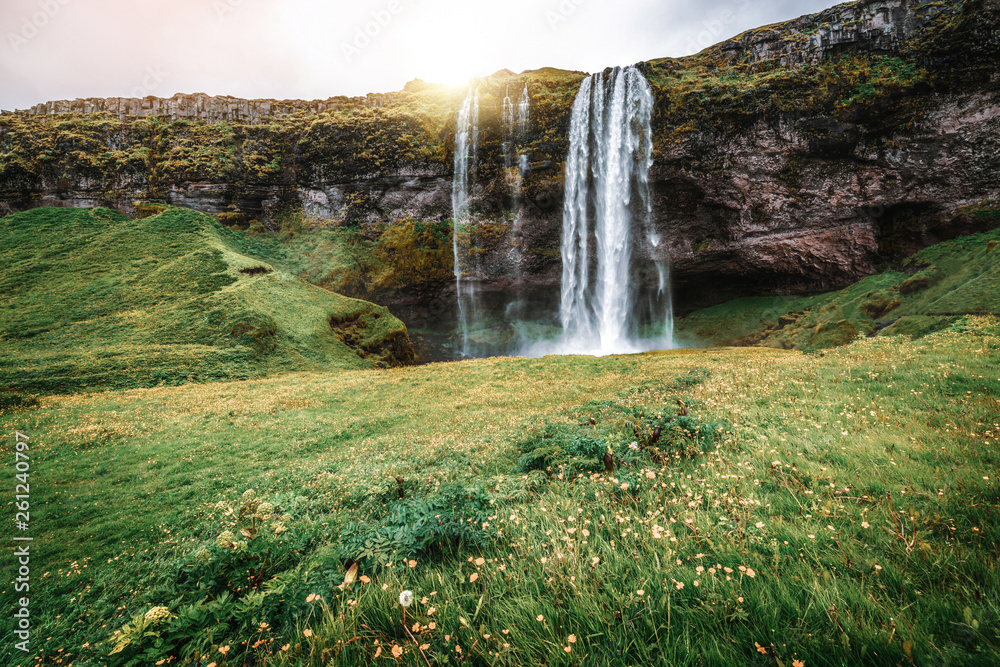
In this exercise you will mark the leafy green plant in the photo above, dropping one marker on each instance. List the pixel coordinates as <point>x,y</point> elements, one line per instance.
<point>233,586</point>
<point>409,528</point>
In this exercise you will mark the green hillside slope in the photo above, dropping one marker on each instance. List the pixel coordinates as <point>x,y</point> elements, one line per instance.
<point>930,291</point>
<point>92,299</point>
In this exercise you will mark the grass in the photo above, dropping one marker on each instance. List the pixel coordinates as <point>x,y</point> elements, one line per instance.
<point>928,293</point>
<point>823,509</point>
<point>93,299</point>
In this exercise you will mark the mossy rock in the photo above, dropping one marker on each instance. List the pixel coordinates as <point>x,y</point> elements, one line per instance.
<point>838,333</point>
<point>914,284</point>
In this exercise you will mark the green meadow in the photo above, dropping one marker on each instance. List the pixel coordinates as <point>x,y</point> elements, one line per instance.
<point>709,506</point>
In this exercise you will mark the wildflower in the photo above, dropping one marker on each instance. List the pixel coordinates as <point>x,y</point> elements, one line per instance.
<point>594,561</point>
<point>472,579</point>
<point>540,618</point>
<point>432,626</point>
<point>364,579</point>
<point>865,524</point>
<point>378,651</point>
<point>424,647</point>
<point>568,649</point>
<point>641,592</point>
<point>264,511</point>
<point>634,445</point>
<point>203,555</point>
<point>760,649</point>
<point>680,585</point>
<point>751,573</point>
<point>412,564</point>
<point>157,614</point>
<point>226,539</point>
<point>430,612</point>
<point>480,562</point>
<point>397,650</point>
<point>798,663</point>
<point>307,632</point>
<point>406,598</point>
<point>572,639</point>
<point>759,524</point>
<point>288,646</point>
<point>624,486</point>
<point>224,649</point>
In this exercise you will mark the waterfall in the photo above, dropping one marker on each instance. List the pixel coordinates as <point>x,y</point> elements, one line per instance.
<point>607,182</point>
<point>466,140</point>
<point>574,307</point>
<point>508,128</point>
<point>523,107</point>
<point>475,131</point>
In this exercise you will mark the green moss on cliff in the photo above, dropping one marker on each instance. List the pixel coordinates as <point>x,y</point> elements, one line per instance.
<point>377,262</point>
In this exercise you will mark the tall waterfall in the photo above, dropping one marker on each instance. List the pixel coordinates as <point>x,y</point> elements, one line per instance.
<point>607,187</point>
<point>466,145</point>
<point>508,128</point>
<point>523,109</point>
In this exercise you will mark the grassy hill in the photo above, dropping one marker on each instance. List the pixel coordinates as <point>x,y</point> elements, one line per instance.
<point>817,510</point>
<point>929,292</point>
<point>92,299</point>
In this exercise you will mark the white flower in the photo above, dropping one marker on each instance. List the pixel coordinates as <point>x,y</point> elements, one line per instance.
<point>157,614</point>
<point>406,598</point>
<point>634,445</point>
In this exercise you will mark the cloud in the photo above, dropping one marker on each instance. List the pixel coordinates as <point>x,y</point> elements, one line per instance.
<point>58,49</point>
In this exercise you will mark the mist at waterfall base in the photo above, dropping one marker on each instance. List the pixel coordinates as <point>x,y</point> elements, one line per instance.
<point>612,300</point>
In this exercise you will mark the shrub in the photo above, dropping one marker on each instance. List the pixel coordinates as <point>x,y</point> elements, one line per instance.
<point>416,527</point>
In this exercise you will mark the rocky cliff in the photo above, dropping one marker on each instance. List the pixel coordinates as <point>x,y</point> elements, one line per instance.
<point>796,156</point>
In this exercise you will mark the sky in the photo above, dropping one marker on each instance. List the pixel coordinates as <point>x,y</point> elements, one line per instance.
<point>315,49</point>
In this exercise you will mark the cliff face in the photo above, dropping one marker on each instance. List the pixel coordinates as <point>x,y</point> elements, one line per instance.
<point>796,156</point>
<point>862,133</point>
